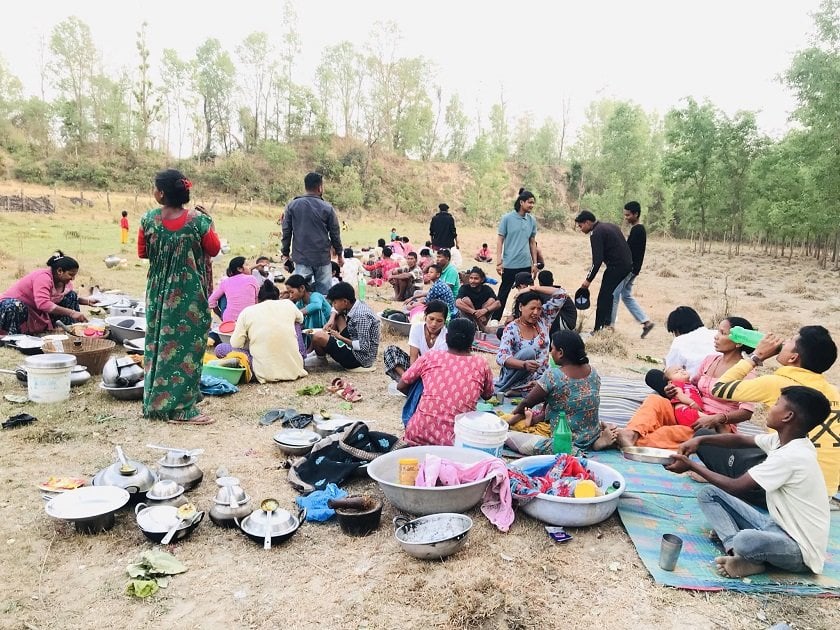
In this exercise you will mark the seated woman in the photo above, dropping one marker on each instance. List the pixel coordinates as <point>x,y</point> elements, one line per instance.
<point>523,352</point>
<point>239,290</point>
<point>267,331</point>
<point>380,271</point>
<point>572,387</point>
<point>693,342</point>
<point>35,302</point>
<point>453,380</point>
<point>477,301</point>
<point>655,424</point>
<point>313,306</point>
<point>430,334</point>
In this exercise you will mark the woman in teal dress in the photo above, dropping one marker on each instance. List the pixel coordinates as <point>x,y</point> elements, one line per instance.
<point>179,243</point>
<point>573,387</point>
<point>314,306</point>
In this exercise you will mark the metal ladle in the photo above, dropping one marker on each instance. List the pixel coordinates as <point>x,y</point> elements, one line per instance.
<point>187,452</point>
<point>268,506</point>
<point>125,467</point>
<point>185,513</point>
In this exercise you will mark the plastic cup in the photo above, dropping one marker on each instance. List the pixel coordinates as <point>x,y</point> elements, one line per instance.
<point>669,551</point>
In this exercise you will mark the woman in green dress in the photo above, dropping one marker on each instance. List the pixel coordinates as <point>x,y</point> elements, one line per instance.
<point>179,243</point>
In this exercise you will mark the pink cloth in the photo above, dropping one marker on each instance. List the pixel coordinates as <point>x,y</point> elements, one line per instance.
<point>704,383</point>
<point>37,290</point>
<point>452,384</point>
<point>240,290</point>
<point>497,504</point>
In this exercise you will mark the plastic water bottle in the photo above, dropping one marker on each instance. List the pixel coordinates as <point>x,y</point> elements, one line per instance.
<point>362,287</point>
<point>562,438</point>
<point>747,337</point>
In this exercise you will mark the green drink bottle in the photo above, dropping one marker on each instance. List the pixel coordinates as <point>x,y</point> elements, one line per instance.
<point>747,337</point>
<point>562,438</point>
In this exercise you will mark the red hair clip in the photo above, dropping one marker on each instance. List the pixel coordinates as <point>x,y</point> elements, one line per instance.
<point>187,183</point>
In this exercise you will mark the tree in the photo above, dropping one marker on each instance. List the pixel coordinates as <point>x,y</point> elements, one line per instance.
<point>340,76</point>
<point>457,125</point>
<point>256,54</point>
<point>148,103</point>
<point>11,94</point>
<point>289,51</point>
<point>176,76</point>
<point>72,67</point>
<point>214,78</point>
<point>624,148</point>
<point>692,140</point>
<point>499,129</point>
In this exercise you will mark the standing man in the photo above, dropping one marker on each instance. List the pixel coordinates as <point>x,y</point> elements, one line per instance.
<point>313,225</point>
<point>442,229</point>
<point>636,241</point>
<point>516,245</point>
<point>610,248</point>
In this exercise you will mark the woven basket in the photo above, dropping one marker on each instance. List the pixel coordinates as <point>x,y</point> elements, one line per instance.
<point>91,352</point>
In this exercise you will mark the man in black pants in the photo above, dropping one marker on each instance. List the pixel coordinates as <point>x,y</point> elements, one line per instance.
<point>610,248</point>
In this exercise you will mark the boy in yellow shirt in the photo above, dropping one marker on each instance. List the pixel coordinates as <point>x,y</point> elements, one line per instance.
<point>803,359</point>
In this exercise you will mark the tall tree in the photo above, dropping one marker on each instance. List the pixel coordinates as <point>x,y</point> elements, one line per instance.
<point>74,59</point>
<point>624,148</point>
<point>214,77</point>
<point>457,129</point>
<point>692,146</point>
<point>289,52</point>
<point>148,102</point>
<point>257,56</point>
<point>176,76</point>
<point>340,77</point>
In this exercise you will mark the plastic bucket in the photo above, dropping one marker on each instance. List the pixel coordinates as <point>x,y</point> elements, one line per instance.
<point>481,431</point>
<point>48,377</point>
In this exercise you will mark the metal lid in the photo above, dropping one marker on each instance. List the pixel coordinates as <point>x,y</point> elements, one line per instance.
<point>50,360</point>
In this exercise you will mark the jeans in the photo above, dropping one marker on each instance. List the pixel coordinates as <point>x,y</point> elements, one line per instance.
<point>320,277</point>
<point>624,292</point>
<point>748,533</point>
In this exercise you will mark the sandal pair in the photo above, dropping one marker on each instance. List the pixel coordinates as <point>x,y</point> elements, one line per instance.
<point>344,390</point>
<point>200,419</point>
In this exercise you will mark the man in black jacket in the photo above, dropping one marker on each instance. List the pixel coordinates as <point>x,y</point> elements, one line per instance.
<point>610,248</point>
<point>636,241</point>
<point>442,229</point>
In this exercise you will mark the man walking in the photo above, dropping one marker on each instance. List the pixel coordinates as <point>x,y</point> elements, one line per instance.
<point>442,229</point>
<point>516,245</point>
<point>636,241</point>
<point>610,248</point>
<point>312,224</point>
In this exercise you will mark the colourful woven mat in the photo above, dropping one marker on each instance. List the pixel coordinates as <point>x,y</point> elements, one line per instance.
<point>658,502</point>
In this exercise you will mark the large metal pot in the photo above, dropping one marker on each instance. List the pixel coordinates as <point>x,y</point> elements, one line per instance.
<point>180,467</point>
<point>135,477</point>
<point>156,520</point>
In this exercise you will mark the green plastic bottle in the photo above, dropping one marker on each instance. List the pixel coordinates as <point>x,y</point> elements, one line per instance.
<point>362,286</point>
<point>562,438</point>
<point>747,337</point>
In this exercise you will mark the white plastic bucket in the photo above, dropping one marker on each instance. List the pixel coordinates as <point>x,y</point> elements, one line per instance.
<point>48,377</point>
<point>481,431</point>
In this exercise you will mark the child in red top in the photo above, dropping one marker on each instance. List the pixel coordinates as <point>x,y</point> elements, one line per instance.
<point>384,268</point>
<point>483,254</point>
<point>124,228</point>
<point>687,403</point>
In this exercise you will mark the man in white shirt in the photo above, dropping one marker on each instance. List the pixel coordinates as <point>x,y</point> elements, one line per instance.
<point>794,537</point>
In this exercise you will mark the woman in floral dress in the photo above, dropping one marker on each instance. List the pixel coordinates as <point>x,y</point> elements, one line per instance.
<point>523,351</point>
<point>179,244</point>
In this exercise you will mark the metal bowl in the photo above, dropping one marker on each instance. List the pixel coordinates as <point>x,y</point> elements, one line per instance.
<point>400,328</point>
<point>232,496</point>
<point>296,441</point>
<point>416,500</point>
<point>283,525</point>
<point>124,327</point>
<point>647,454</point>
<point>135,392</point>
<point>432,537</point>
<point>569,511</point>
<point>135,346</point>
<point>164,489</point>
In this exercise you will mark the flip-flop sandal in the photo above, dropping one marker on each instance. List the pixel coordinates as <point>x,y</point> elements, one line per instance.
<point>350,394</point>
<point>270,417</point>
<point>337,385</point>
<point>300,420</point>
<point>200,419</point>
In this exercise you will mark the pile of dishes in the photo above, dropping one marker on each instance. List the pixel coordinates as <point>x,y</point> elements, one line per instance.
<point>230,503</point>
<point>296,441</point>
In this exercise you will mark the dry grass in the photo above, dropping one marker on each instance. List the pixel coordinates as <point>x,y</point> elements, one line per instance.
<point>53,577</point>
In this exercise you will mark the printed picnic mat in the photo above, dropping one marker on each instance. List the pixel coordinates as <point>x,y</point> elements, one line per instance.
<point>659,502</point>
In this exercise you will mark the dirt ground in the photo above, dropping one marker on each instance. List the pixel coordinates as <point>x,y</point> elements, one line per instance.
<point>52,577</point>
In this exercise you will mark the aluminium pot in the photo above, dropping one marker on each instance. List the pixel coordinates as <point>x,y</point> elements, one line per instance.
<point>156,520</point>
<point>432,537</point>
<point>180,467</point>
<point>134,477</point>
<point>283,525</point>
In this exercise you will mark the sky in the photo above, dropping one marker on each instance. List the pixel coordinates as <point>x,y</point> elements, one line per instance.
<point>533,54</point>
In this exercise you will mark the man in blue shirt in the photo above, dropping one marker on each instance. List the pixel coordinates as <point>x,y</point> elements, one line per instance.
<point>516,247</point>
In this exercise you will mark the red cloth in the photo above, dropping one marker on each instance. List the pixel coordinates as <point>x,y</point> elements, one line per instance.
<point>124,223</point>
<point>209,242</point>
<point>684,414</point>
